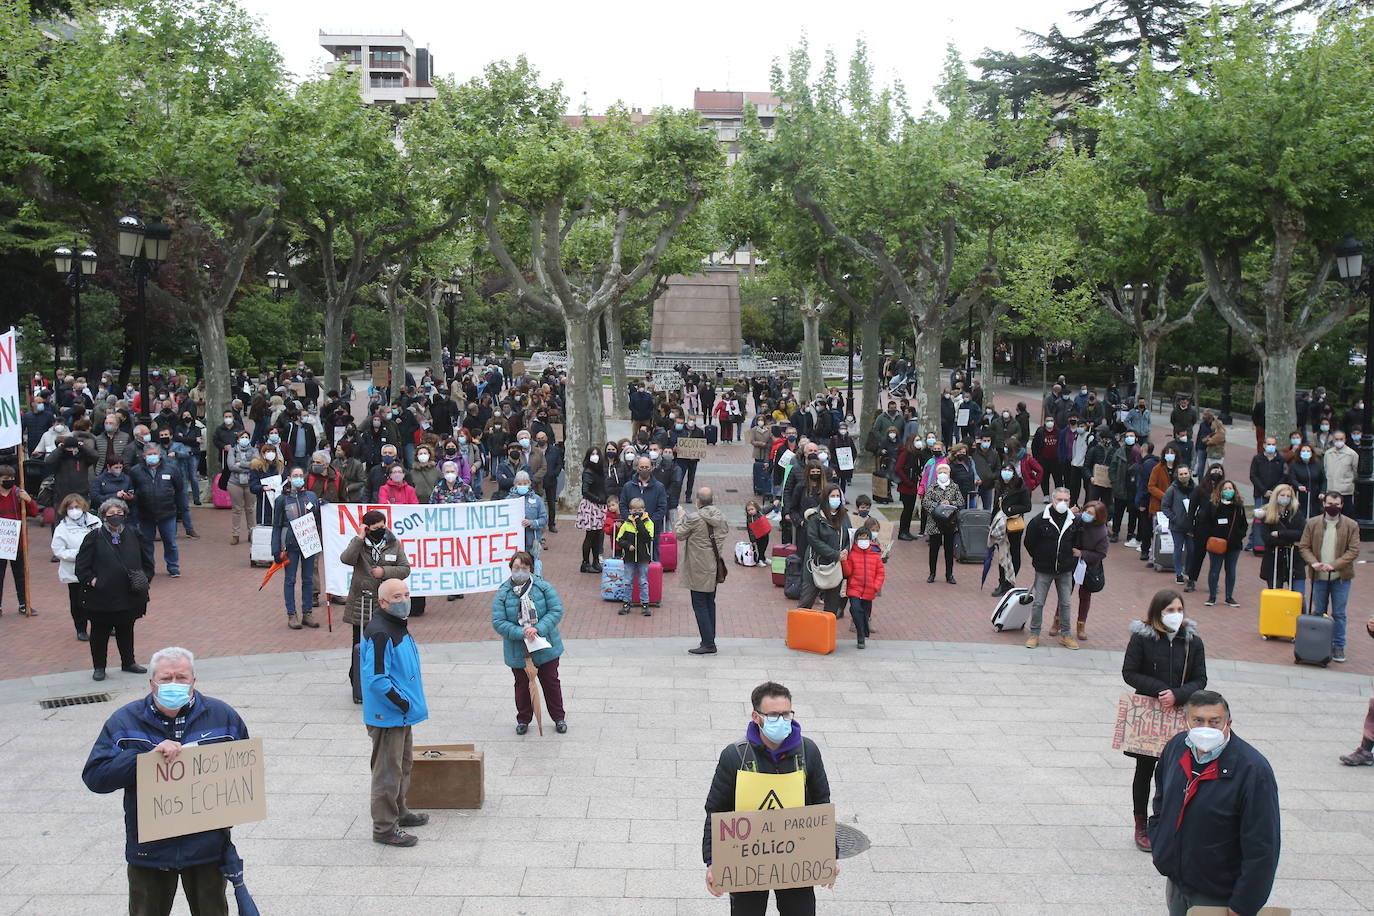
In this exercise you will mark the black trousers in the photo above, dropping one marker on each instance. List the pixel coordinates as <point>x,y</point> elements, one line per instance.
<point>1140,786</point>
<point>935,537</point>
<point>78,612</point>
<point>908,510</point>
<point>17,564</point>
<point>1078,482</point>
<point>153,891</point>
<point>591,546</point>
<point>792,901</point>
<point>1054,473</point>
<point>123,629</point>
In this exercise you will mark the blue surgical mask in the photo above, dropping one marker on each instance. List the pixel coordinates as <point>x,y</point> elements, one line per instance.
<point>1087,517</point>
<point>776,730</point>
<point>298,482</point>
<point>274,438</point>
<point>152,460</point>
<point>835,502</point>
<point>1007,475</point>
<point>399,609</point>
<point>520,489</point>
<point>1130,440</point>
<point>173,696</point>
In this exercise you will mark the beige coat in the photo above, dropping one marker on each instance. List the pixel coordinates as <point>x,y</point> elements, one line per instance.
<point>696,557</point>
<point>761,438</point>
<point>359,554</point>
<point>1340,465</point>
<point>1347,544</point>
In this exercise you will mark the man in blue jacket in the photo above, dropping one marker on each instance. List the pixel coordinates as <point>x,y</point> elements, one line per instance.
<point>161,496</point>
<point>1215,829</point>
<point>172,715</point>
<point>644,486</point>
<point>393,701</point>
<point>296,502</point>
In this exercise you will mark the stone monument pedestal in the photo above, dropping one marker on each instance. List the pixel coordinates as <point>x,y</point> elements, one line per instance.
<point>699,314</point>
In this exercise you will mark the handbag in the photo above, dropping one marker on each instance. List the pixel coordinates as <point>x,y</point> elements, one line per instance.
<point>138,582</point>
<point>826,575</point>
<point>721,569</point>
<point>1016,523</point>
<point>1094,578</point>
<point>1220,545</point>
<point>945,515</point>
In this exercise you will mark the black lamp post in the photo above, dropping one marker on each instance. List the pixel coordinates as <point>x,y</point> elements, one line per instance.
<point>453,288</point>
<point>1350,268</point>
<point>278,283</point>
<point>77,270</point>
<point>143,248</point>
<point>849,402</point>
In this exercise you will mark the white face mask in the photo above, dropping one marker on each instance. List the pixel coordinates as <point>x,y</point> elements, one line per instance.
<point>1205,740</point>
<point>270,456</point>
<point>942,479</point>
<point>596,459</point>
<point>451,476</point>
<point>1172,620</point>
<point>75,514</point>
<point>1061,506</point>
<point>422,457</point>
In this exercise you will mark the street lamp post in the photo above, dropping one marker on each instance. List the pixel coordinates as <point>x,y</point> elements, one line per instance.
<point>144,248</point>
<point>278,283</point>
<point>453,288</point>
<point>849,395</point>
<point>1350,267</point>
<point>76,270</point>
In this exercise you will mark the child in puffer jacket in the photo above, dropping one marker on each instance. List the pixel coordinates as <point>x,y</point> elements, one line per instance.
<point>863,573</point>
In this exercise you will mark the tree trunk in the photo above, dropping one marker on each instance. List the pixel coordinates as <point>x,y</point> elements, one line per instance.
<point>987,365</point>
<point>436,338</point>
<point>214,356</point>
<point>812,381</point>
<point>925,357</point>
<point>1279,370</point>
<point>871,334</point>
<point>1146,351</point>
<point>396,311</point>
<point>333,344</point>
<point>584,423</point>
<point>615,350</point>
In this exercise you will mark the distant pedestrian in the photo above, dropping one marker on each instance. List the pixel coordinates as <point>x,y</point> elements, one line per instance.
<point>1049,541</point>
<point>1329,547</point>
<point>74,522</point>
<point>701,536</point>
<point>114,571</point>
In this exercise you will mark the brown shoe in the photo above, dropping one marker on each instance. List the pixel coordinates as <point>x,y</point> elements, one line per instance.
<point>1082,630</point>
<point>308,618</point>
<point>233,539</point>
<point>1142,837</point>
<point>293,621</point>
<point>1033,642</point>
<point>1068,642</point>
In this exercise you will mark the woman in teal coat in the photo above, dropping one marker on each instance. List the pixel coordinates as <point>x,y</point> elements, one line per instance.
<point>526,612</point>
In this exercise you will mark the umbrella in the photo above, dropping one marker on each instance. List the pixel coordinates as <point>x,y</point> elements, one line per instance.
<point>533,674</point>
<point>272,571</point>
<point>232,868</point>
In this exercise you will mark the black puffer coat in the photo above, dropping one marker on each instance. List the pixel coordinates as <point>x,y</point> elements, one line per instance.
<point>1155,663</point>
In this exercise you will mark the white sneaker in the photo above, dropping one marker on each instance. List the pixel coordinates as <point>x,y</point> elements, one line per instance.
<point>1132,543</point>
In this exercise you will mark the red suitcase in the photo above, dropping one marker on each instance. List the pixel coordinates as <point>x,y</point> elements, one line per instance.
<point>778,562</point>
<point>655,585</point>
<point>667,551</point>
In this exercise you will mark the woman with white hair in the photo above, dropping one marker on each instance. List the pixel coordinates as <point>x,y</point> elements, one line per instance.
<point>536,517</point>
<point>114,572</point>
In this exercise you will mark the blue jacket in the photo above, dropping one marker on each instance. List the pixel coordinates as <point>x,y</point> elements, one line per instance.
<point>505,619</point>
<point>504,475</point>
<point>641,405</point>
<point>160,491</point>
<point>654,494</point>
<point>1142,479</point>
<point>106,485</point>
<point>389,660</point>
<point>1225,843</point>
<point>292,505</point>
<point>536,513</point>
<point>137,728</point>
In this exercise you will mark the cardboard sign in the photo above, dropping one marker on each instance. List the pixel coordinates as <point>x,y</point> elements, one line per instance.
<point>298,389</point>
<point>844,458</point>
<point>691,448</point>
<point>307,535</point>
<point>517,368</point>
<point>452,548</point>
<point>779,848</point>
<point>272,487</point>
<point>961,418</point>
<point>1144,726</point>
<point>381,372</point>
<point>9,538</point>
<point>11,433</point>
<point>205,788</point>
<point>339,433</point>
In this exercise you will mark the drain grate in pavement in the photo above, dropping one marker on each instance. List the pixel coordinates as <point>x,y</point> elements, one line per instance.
<point>850,840</point>
<point>731,491</point>
<point>82,700</point>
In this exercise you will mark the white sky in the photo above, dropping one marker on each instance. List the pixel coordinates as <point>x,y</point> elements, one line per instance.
<point>652,53</point>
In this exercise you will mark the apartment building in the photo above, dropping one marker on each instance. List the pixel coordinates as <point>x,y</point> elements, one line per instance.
<point>391,70</point>
<point>724,113</point>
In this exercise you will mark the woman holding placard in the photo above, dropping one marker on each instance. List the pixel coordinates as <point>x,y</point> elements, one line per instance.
<point>1165,660</point>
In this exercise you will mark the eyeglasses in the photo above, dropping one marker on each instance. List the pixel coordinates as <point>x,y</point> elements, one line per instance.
<point>777,716</point>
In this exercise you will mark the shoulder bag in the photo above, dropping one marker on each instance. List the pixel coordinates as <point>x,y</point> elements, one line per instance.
<point>1220,545</point>
<point>721,569</point>
<point>945,515</point>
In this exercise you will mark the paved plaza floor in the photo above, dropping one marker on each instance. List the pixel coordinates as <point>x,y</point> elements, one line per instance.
<point>983,775</point>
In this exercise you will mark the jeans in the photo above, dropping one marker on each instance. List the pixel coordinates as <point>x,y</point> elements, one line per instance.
<point>1337,591</point>
<point>704,607</point>
<point>1184,545</point>
<point>860,608</point>
<point>153,891</point>
<point>1063,585</point>
<point>306,566</point>
<point>638,571</point>
<point>188,466</point>
<point>1180,901</point>
<point>1215,562</point>
<point>167,528</point>
<point>985,495</point>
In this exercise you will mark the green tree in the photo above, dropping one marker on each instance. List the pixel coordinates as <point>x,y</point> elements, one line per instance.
<point>102,332</point>
<point>1050,299</point>
<point>1292,108</point>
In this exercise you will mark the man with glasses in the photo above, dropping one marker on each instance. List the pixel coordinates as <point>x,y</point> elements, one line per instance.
<point>773,767</point>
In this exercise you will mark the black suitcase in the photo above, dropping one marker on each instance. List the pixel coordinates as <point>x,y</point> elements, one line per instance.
<point>712,432</point>
<point>1312,642</point>
<point>792,577</point>
<point>971,546</point>
<point>763,481</point>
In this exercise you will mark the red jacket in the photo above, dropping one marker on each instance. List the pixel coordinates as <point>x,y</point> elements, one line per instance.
<point>863,573</point>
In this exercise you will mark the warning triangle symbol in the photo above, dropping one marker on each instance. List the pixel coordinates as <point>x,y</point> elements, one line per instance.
<point>771,802</point>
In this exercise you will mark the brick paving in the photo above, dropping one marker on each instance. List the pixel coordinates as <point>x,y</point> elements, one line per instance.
<point>216,606</point>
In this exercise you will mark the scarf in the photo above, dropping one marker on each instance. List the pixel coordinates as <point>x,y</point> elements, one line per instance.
<point>529,616</point>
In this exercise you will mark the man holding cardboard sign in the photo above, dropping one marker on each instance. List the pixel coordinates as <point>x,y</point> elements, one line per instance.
<point>172,718</point>
<point>773,769</point>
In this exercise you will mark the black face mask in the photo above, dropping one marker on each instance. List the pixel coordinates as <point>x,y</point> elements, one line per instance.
<point>376,536</point>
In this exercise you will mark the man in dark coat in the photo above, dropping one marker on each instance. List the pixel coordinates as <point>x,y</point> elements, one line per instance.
<point>1215,829</point>
<point>1049,541</point>
<point>161,498</point>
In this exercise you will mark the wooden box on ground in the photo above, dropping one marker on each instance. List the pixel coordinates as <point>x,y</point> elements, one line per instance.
<point>445,776</point>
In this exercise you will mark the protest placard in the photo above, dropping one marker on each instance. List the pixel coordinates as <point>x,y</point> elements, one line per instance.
<point>1144,726</point>
<point>10,430</point>
<point>381,373</point>
<point>844,458</point>
<point>205,788</point>
<point>307,535</point>
<point>691,448</point>
<point>778,848</point>
<point>272,487</point>
<point>453,548</point>
<point>962,417</point>
<point>9,538</point>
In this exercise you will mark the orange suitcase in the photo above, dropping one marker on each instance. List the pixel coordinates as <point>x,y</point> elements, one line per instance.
<point>811,631</point>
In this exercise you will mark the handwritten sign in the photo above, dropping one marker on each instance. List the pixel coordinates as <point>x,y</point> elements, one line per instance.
<point>766,850</point>
<point>844,458</point>
<point>1144,726</point>
<point>11,433</point>
<point>205,788</point>
<point>9,538</point>
<point>272,487</point>
<point>691,448</point>
<point>381,373</point>
<point>307,535</point>
<point>452,548</point>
